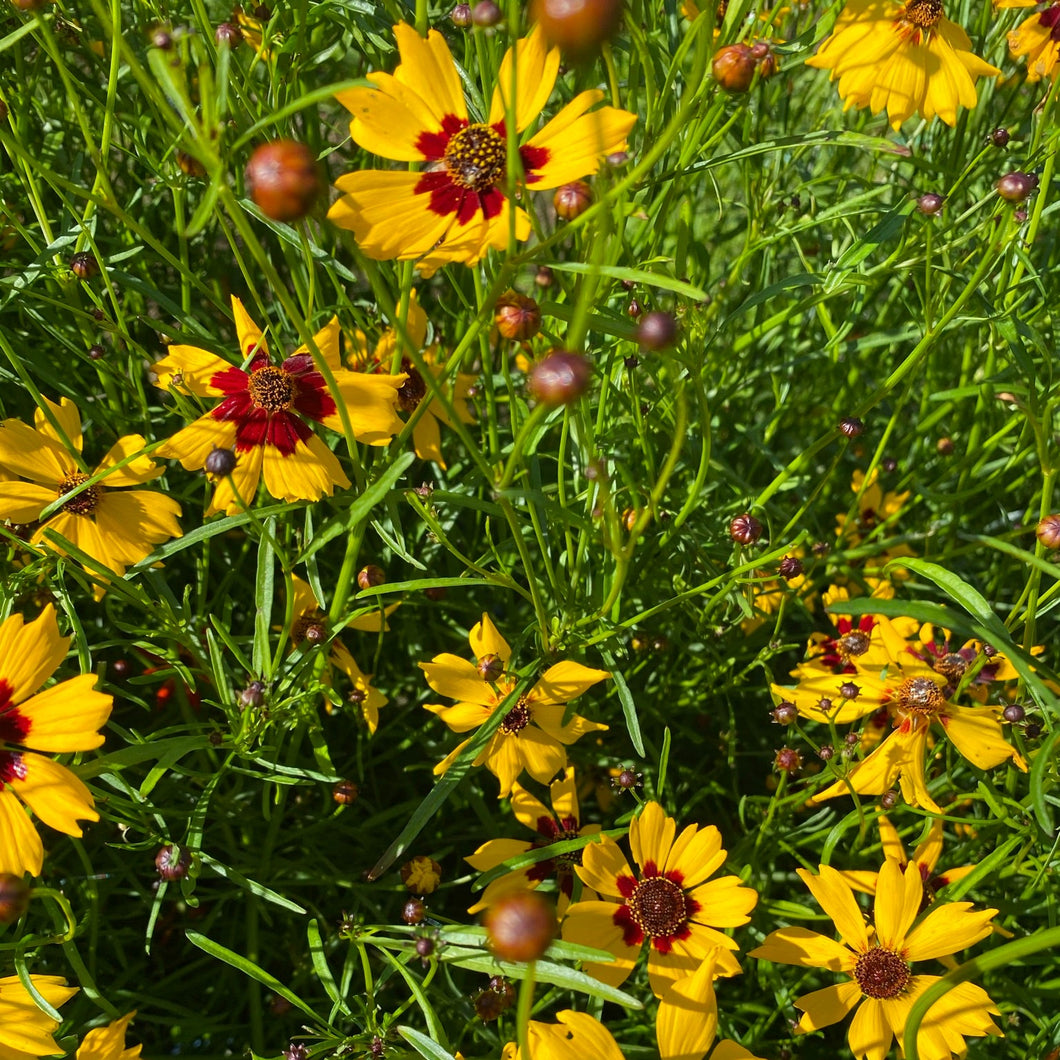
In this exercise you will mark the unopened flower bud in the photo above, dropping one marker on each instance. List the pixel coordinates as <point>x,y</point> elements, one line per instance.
<point>229,33</point>
<point>345,792</point>
<point>220,462</point>
<point>1016,186</point>
<point>461,16</point>
<point>485,13</point>
<point>282,180</point>
<point>851,426</point>
<point>734,67</point>
<point>296,1051</point>
<point>544,277</point>
<point>787,760</point>
<point>315,632</point>
<point>162,39</point>
<point>930,203</point>
<point>252,696</point>
<point>578,27</point>
<point>945,446</point>
<point>1048,531</point>
<point>560,378</point>
<point>413,911</point>
<point>421,875</point>
<point>425,946</point>
<point>14,897</point>
<point>634,310</point>
<point>96,352</point>
<point>84,266</point>
<point>517,317</point>
<point>495,999</point>
<point>849,690</point>
<point>1013,713</point>
<point>889,799</point>
<point>745,529</point>
<point>825,752</point>
<point>790,567</point>
<point>519,926</point>
<point>1000,137</point>
<point>371,576</point>
<point>657,331</point>
<point>490,667</point>
<point>626,780</point>
<point>784,713</point>
<point>190,166</point>
<point>617,158</point>
<point>572,200</point>
<point>173,862</point>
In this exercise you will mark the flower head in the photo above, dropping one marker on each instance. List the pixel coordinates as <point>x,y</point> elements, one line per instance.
<point>108,1043</point>
<point>532,735</point>
<point>876,959</point>
<point>671,903</point>
<point>902,58</point>
<point>64,718</point>
<point>264,411</point>
<point>456,208</point>
<point>112,524</point>
<point>1038,38</point>
<point>24,1029</point>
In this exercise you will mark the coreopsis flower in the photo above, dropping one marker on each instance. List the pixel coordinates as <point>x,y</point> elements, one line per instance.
<point>108,1043</point>
<point>112,524</point>
<point>24,1029</point>
<point>264,411</point>
<point>64,718</point>
<point>956,660</point>
<point>253,28</point>
<point>553,825</point>
<point>533,735</point>
<point>456,207</point>
<point>875,507</point>
<point>902,58</point>
<point>414,393</point>
<point>1037,37</point>
<point>670,902</point>
<point>307,613</point>
<point>915,696</point>
<point>876,960</point>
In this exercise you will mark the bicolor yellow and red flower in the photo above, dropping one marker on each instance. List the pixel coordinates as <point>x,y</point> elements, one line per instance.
<point>904,59</point>
<point>876,959</point>
<point>456,207</point>
<point>24,1029</point>
<point>670,902</point>
<point>64,718</point>
<point>532,735</point>
<point>109,522</point>
<point>266,412</point>
<point>561,822</point>
<point>1037,38</point>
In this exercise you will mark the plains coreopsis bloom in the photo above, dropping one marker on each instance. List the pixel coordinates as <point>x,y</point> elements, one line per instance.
<point>1037,37</point>
<point>532,735</point>
<point>24,1029</point>
<point>108,1043</point>
<point>266,411</point>
<point>64,718</point>
<point>113,524</point>
<point>552,826</point>
<point>456,208</point>
<point>414,394</point>
<point>671,903</point>
<point>903,58</point>
<point>876,959</point>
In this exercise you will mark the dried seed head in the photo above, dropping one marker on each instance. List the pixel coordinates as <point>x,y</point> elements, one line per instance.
<point>572,200</point>
<point>560,378</point>
<point>413,911</point>
<point>519,926</point>
<point>220,462</point>
<point>930,203</point>
<point>745,529</point>
<point>784,713</point>
<point>371,576</point>
<point>657,331</point>
<point>14,897</point>
<point>851,426</point>
<point>790,567</point>
<point>1016,186</point>
<point>282,180</point>
<point>345,792</point>
<point>173,862</point>
<point>578,27</point>
<point>1048,531</point>
<point>517,317</point>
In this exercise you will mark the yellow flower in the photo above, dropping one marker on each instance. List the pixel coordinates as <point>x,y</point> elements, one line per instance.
<point>118,527</point>
<point>875,958</point>
<point>414,394</point>
<point>532,735</point>
<point>24,1029</point>
<point>672,904</point>
<point>1036,37</point>
<point>903,58</point>
<point>552,826</point>
<point>456,208</point>
<point>64,718</point>
<point>263,412</point>
<point>108,1043</point>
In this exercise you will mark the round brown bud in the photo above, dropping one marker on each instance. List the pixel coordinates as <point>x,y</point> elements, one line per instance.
<point>889,464</point>
<point>560,378</point>
<point>495,999</point>
<point>315,632</point>
<point>579,27</point>
<point>490,667</point>
<point>790,567</point>
<point>190,166</point>
<point>162,39</point>
<point>787,760</point>
<point>784,713</point>
<point>371,576</point>
<point>634,310</point>
<point>461,16</point>
<point>657,331</point>
<point>849,690</point>
<point>930,203</point>
<point>543,277</point>
<point>765,61</point>
<point>220,462</point>
<point>96,352</point>
<point>84,266</point>
<point>252,696</point>
<point>1000,137</point>
<point>486,13</point>
<point>617,158</point>
<point>173,862</point>
<point>745,529</point>
<point>413,911</point>
<point>734,67</point>
<point>1032,730</point>
<point>1048,531</point>
<point>296,1051</point>
<point>519,926</point>
<point>1013,713</point>
<point>889,799</point>
<point>14,897</point>
<point>825,752</point>
<point>120,667</point>
<point>425,946</point>
<point>627,779</point>
<point>28,5</point>
<point>1016,186</point>
<point>572,200</point>
<point>945,446</point>
<point>516,316</point>
<point>229,33</point>
<point>345,792</point>
<point>851,426</point>
<point>282,180</point>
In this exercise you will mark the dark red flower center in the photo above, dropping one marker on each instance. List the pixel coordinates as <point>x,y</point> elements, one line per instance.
<point>920,695</point>
<point>852,644</point>
<point>12,767</point>
<point>413,390</point>
<point>271,389</point>
<point>517,718</point>
<point>476,157</point>
<point>85,502</point>
<point>14,725</point>
<point>881,973</point>
<point>658,908</point>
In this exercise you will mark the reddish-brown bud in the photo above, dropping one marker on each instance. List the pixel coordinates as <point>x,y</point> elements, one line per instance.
<point>517,317</point>
<point>84,266</point>
<point>425,946</point>
<point>345,792</point>
<point>657,331</point>
<point>889,799</point>
<point>627,779</point>
<point>413,911</point>
<point>173,862</point>
<point>495,999</point>
<point>96,352</point>
<point>282,180</point>
<point>579,27</point>
<point>1048,531</point>
<point>486,13</point>
<point>1016,186</point>
<point>745,529</point>
<point>1000,137</point>
<point>930,203</point>
<point>519,926</point>
<point>190,166</point>
<point>851,426</point>
<point>14,897</point>
<point>560,378</point>
<point>734,67</point>
<point>229,33</point>
<point>220,462</point>
<point>544,277</point>
<point>490,667</point>
<point>787,760</point>
<point>945,446</point>
<point>461,16</point>
<point>572,200</point>
<point>371,576</point>
<point>785,713</point>
<point>1013,713</point>
<point>790,567</point>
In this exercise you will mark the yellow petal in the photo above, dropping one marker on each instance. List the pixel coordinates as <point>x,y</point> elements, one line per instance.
<point>805,949</point>
<point>824,1007</point>
<point>138,471</point>
<point>54,794</point>
<point>592,924</point>
<point>835,897</point>
<point>66,717</point>
<point>30,454</point>
<point>428,69</point>
<point>390,119</point>
<point>687,1021</point>
<point>602,864</point>
<point>451,676</point>
<point>536,66</point>
<point>21,849</point>
<point>485,639</point>
<point>651,836</point>
<point>22,502</point>
<point>108,1043</point>
<point>250,336</point>
<point>528,810</point>
<point>870,1034</point>
<point>976,732</point>
<point>565,681</point>
<point>696,854</point>
<point>898,897</point>
<point>948,929</point>
<point>30,652</point>
<point>189,370</point>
